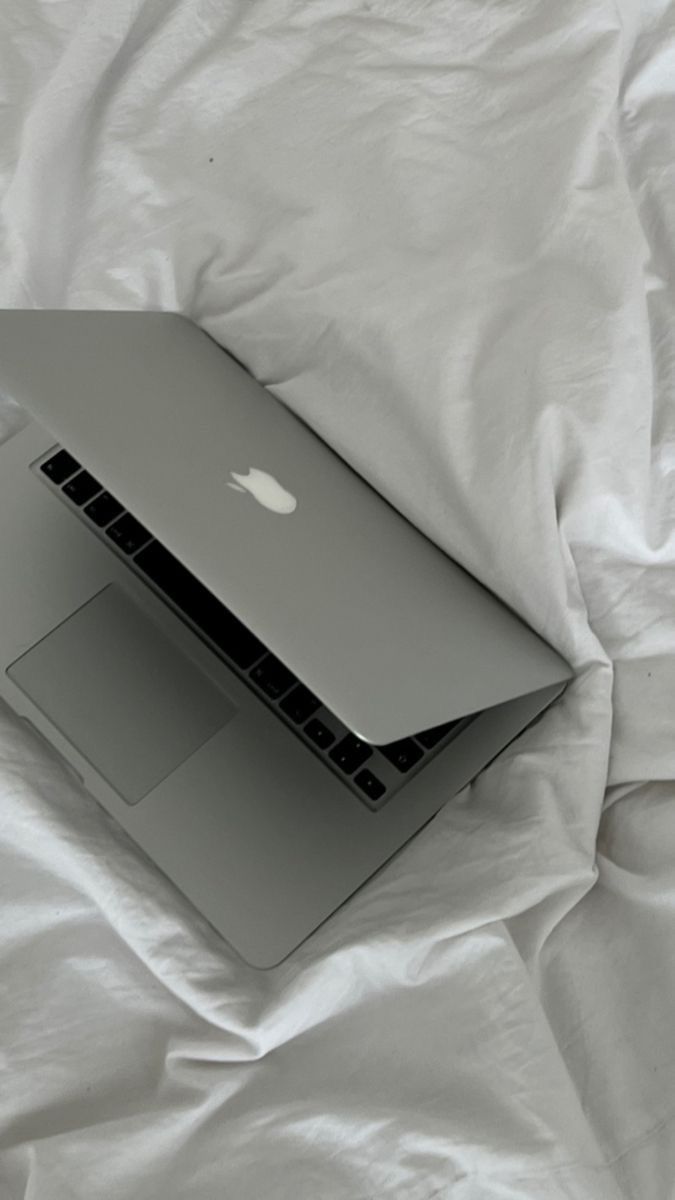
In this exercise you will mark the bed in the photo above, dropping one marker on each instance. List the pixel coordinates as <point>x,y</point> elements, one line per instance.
<point>442,232</point>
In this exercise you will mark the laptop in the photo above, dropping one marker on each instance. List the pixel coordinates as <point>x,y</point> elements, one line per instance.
<point>259,667</point>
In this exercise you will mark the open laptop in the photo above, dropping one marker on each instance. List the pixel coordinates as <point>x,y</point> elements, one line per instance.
<point>259,667</point>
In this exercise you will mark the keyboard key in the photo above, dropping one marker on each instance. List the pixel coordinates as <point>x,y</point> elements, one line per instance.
<point>350,753</point>
<point>272,677</point>
<point>171,577</point>
<point>370,785</point>
<point>60,467</point>
<point>431,737</point>
<point>300,704</point>
<point>403,754</point>
<point>228,633</point>
<point>200,605</point>
<point>103,509</point>
<point>81,488</point>
<point>128,534</point>
<point>319,733</point>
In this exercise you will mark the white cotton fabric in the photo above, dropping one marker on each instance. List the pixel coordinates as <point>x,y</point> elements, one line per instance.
<point>442,232</point>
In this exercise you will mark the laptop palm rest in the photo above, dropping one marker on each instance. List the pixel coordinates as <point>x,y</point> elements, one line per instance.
<point>125,696</point>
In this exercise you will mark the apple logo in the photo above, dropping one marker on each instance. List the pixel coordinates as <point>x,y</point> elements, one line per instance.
<point>265,489</point>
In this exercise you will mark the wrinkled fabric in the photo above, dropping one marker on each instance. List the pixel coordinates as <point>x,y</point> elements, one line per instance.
<point>442,233</point>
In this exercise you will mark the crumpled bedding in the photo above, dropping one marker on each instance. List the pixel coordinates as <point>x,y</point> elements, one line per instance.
<point>442,232</point>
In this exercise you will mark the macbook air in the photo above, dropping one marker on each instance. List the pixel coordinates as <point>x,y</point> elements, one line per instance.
<point>266,674</point>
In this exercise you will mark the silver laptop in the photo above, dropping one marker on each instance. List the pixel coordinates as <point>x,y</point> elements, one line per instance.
<point>259,667</point>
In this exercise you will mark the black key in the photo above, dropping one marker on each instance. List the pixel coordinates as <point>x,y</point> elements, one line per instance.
<point>350,753</point>
<point>81,488</point>
<point>172,578</point>
<point>128,534</point>
<point>403,754</point>
<point>319,733</point>
<point>272,677</point>
<point>200,605</point>
<point>300,704</point>
<point>228,633</point>
<point>370,784</point>
<point>431,737</point>
<point>103,509</point>
<point>60,466</point>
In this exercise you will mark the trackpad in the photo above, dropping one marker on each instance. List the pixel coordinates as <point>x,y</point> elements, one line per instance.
<point>122,693</point>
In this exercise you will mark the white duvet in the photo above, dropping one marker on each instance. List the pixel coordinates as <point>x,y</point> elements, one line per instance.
<point>442,231</point>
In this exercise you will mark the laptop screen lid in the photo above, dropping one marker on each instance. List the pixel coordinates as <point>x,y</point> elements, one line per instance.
<point>391,634</point>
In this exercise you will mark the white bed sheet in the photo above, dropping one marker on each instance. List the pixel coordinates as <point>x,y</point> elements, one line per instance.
<point>443,233</point>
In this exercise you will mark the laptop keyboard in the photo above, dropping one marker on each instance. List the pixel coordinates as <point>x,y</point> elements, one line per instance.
<point>374,773</point>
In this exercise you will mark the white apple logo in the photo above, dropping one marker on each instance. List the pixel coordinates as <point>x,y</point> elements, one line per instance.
<point>265,489</point>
